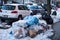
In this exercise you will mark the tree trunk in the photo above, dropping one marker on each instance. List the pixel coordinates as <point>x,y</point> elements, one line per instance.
<point>5,1</point>
<point>48,7</point>
<point>1,2</point>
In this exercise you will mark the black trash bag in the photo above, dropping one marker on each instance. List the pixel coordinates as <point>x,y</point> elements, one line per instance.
<point>47,18</point>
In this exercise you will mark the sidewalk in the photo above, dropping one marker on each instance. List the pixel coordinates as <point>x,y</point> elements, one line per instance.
<point>56,28</point>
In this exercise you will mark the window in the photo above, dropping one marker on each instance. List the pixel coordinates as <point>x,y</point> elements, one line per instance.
<point>33,7</point>
<point>22,7</point>
<point>8,7</point>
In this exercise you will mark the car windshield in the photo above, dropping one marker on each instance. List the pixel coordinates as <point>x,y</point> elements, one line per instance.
<point>8,7</point>
<point>33,7</point>
<point>22,7</point>
<point>40,7</point>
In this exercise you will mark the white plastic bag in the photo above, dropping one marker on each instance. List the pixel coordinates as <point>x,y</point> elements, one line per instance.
<point>38,16</point>
<point>20,23</point>
<point>55,18</point>
<point>19,32</point>
<point>42,22</point>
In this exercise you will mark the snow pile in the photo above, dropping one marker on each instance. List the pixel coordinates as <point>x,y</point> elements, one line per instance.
<point>4,35</point>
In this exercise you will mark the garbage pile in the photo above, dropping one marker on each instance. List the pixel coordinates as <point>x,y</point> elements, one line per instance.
<point>31,26</point>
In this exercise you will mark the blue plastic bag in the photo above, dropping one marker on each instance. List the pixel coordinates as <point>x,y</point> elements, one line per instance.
<point>31,20</point>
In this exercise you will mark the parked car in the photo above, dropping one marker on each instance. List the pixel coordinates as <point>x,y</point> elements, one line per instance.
<point>30,3</point>
<point>14,11</point>
<point>35,9</point>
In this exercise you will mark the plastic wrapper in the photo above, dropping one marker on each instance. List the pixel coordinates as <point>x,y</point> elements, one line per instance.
<point>31,20</point>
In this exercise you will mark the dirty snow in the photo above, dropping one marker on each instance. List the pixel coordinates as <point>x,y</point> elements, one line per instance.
<point>4,35</point>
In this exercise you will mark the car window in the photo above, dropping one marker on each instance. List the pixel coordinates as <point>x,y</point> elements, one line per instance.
<point>33,7</point>
<point>40,7</point>
<point>22,7</point>
<point>8,7</point>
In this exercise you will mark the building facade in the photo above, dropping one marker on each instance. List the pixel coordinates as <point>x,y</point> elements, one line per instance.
<point>23,1</point>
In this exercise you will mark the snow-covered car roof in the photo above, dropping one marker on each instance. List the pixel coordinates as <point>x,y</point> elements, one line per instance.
<point>14,4</point>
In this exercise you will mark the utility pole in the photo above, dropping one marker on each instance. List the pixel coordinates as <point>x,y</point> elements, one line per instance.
<point>48,7</point>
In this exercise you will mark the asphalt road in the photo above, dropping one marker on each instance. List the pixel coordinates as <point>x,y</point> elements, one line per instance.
<point>56,28</point>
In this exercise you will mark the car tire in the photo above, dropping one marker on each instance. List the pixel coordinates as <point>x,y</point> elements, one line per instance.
<point>20,17</point>
<point>2,20</point>
<point>32,14</point>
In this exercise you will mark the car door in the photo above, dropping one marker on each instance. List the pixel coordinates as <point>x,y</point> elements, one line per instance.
<point>23,10</point>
